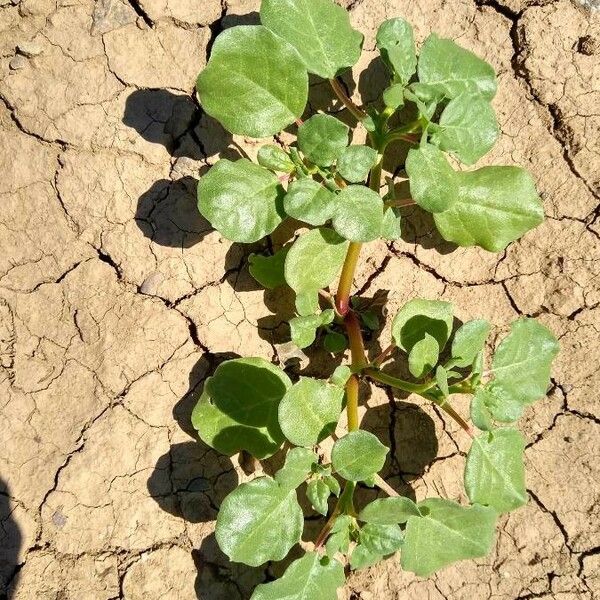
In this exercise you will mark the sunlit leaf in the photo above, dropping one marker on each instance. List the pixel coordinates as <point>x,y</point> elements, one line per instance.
<point>358,455</point>
<point>297,467</point>
<point>322,138</point>
<point>308,201</point>
<point>268,270</point>
<point>355,163</point>
<point>389,511</point>
<point>275,159</point>
<point>381,539</point>
<point>423,356</point>
<point>304,329</point>
<point>358,214</point>
<point>318,493</point>
<point>396,44</point>
<point>468,341</point>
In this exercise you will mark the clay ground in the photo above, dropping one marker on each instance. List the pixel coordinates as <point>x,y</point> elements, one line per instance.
<point>116,300</point>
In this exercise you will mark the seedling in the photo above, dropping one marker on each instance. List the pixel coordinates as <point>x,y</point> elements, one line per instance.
<point>256,84</point>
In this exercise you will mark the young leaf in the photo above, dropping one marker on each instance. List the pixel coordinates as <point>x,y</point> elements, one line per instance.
<point>275,159</point>
<point>310,410</point>
<point>355,163</point>
<point>314,260</point>
<point>358,455</point>
<point>393,97</point>
<point>389,511</point>
<point>339,539</point>
<point>358,214</point>
<point>268,270</point>
<point>494,471</point>
<point>381,539</point>
<point>362,558</point>
<point>468,128</point>
<point>370,319</point>
<point>494,206</point>
<point>341,375</point>
<point>391,227</point>
<point>420,317</point>
<point>308,201</point>
<point>255,83</point>
<point>441,379</point>
<point>449,70</point>
<point>333,484</point>
<point>318,29</point>
<point>310,577</point>
<point>238,409</point>
<point>304,329</point>
<point>259,521</point>
<point>241,200</point>
<point>480,413</point>
<point>396,44</point>
<point>335,342</point>
<point>307,303</point>
<point>468,341</point>
<point>433,182</point>
<point>318,493</point>
<point>423,356</point>
<point>322,138</point>
<point>298,465</point>
<point>449,532</point>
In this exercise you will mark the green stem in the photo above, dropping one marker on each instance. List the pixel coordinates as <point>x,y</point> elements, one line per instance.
<point>342,298</point>
<point>407,386</point>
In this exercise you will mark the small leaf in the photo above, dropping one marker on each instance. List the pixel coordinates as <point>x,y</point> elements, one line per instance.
<point>396,44</point>
<point>275,158</point>
<point>321,139</point>
<point>335,342</point>
<point>468,341</point>
<point>423,356</point>
<point>315,260</point>
<point>362,558</point>
<point>391,228</point>
<point>358,455</point>
<point>355,163</point>
<point>441,379</point>
<point>449,70</point>
<point>381,539</point>
<point>358,214</point>
<point>333,484</point>
<point>259,521</point>
<point>268,270</point>
<point>370,319</point>
<point>297,467</point>
<point>307,303</point>
<point>433,182</point>
<point>341,375</point>
<point>310,410</point>
<point>308,201</point>
<point>494,471</point>
<point>318,29</point>
<point>480,413</point>
<point>389,511</point>
<point>254,84</point>
<point>339,539</point>
<point>238,409</point>
<point>318,493</point>
<point>393,97</point>
<point>304,329</point>
<point>494,206</point>
<point>468,128</point>
<point>449,532</point>
<point>308,578</point>
<point>420,317</point>
<point>241,200</point>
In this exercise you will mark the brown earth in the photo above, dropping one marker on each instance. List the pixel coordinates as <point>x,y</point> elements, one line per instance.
<point>116,300</point>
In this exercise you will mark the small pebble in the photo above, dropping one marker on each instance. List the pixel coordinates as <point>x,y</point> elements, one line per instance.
<point>18,62</point>
<point>30,49</point>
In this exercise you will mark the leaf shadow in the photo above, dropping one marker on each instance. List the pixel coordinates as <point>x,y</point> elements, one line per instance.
<point>11,541</point>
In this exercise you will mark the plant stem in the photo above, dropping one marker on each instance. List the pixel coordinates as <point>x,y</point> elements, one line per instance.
<point>406,386</point>
<point>357,112</point>
<point>347,277</point>
<point>452,413</point>
<point>344,504</point>
<point>379,360</point>
<point>401,203</point>
<point>382,484</point>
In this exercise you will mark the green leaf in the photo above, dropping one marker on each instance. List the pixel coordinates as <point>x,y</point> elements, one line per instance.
<point>268,270</point>
<point>238,409</point>
<point>341,375</point>
<point>449,70</point>
<point>318,29</point>
<point>468,342</point>
<point>315,260</point>
<point>309,411</point>
<point>241,200</point>
<point>370,319</point>
<point>322,138</point>
<point>433,182</point>
<point>335,342</point>
<point>423,356</point>
<point>307,303</point>
<point>389,511</point>
<point>441,379</point>
<point>304,329</point>
<point>468,128</point>
<point>358,455</point>
<point>396,44</point>
<point>393,97</point>
<point>297,467</point>
<point>449,532</point>
<point>420,317</point>
<point>494,206</point>
<point>480,413</point>
<point>308,578</point>
<point>318,493</point>
<point>391,228</point>
<point>308,201</point>
<point>355,163</point>
<point>333,484</point>
<point>275,159</point>
<point>259,521</point>
<point>339,539</point>
<point>381,539</point>
<point>362,558</point>
<point>494,471</point>
<point>254,84</point>
<point>358,214</point>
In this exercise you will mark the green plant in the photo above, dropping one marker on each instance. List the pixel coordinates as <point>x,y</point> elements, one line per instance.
<point>256,84</point>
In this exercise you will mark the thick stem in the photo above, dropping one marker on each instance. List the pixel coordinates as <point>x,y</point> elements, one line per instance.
<point>407,386</point>
<point>352,402</point>
<point>357,112</point>
<point>347,277</point>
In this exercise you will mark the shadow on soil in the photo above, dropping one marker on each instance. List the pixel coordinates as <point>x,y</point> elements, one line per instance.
<point>10,544</point>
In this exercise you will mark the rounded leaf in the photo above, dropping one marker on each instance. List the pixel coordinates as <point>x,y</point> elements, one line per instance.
<point>396,44</point>
<point>241,200</point>
<point>318,494</point>
<point>308,201</point>
<point>255,83</point>
<point>275,159</point>
<point>268,270</point>
<point>355,163</point>
<point>321,139</point>
<point>381,539</point>
<point>297,467</point>
<point>468,342</point>
<point>423,356</point>
<point>358,214</point>
<point>304,329</point>
<point>388,511</point>
<point>358,455</point>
